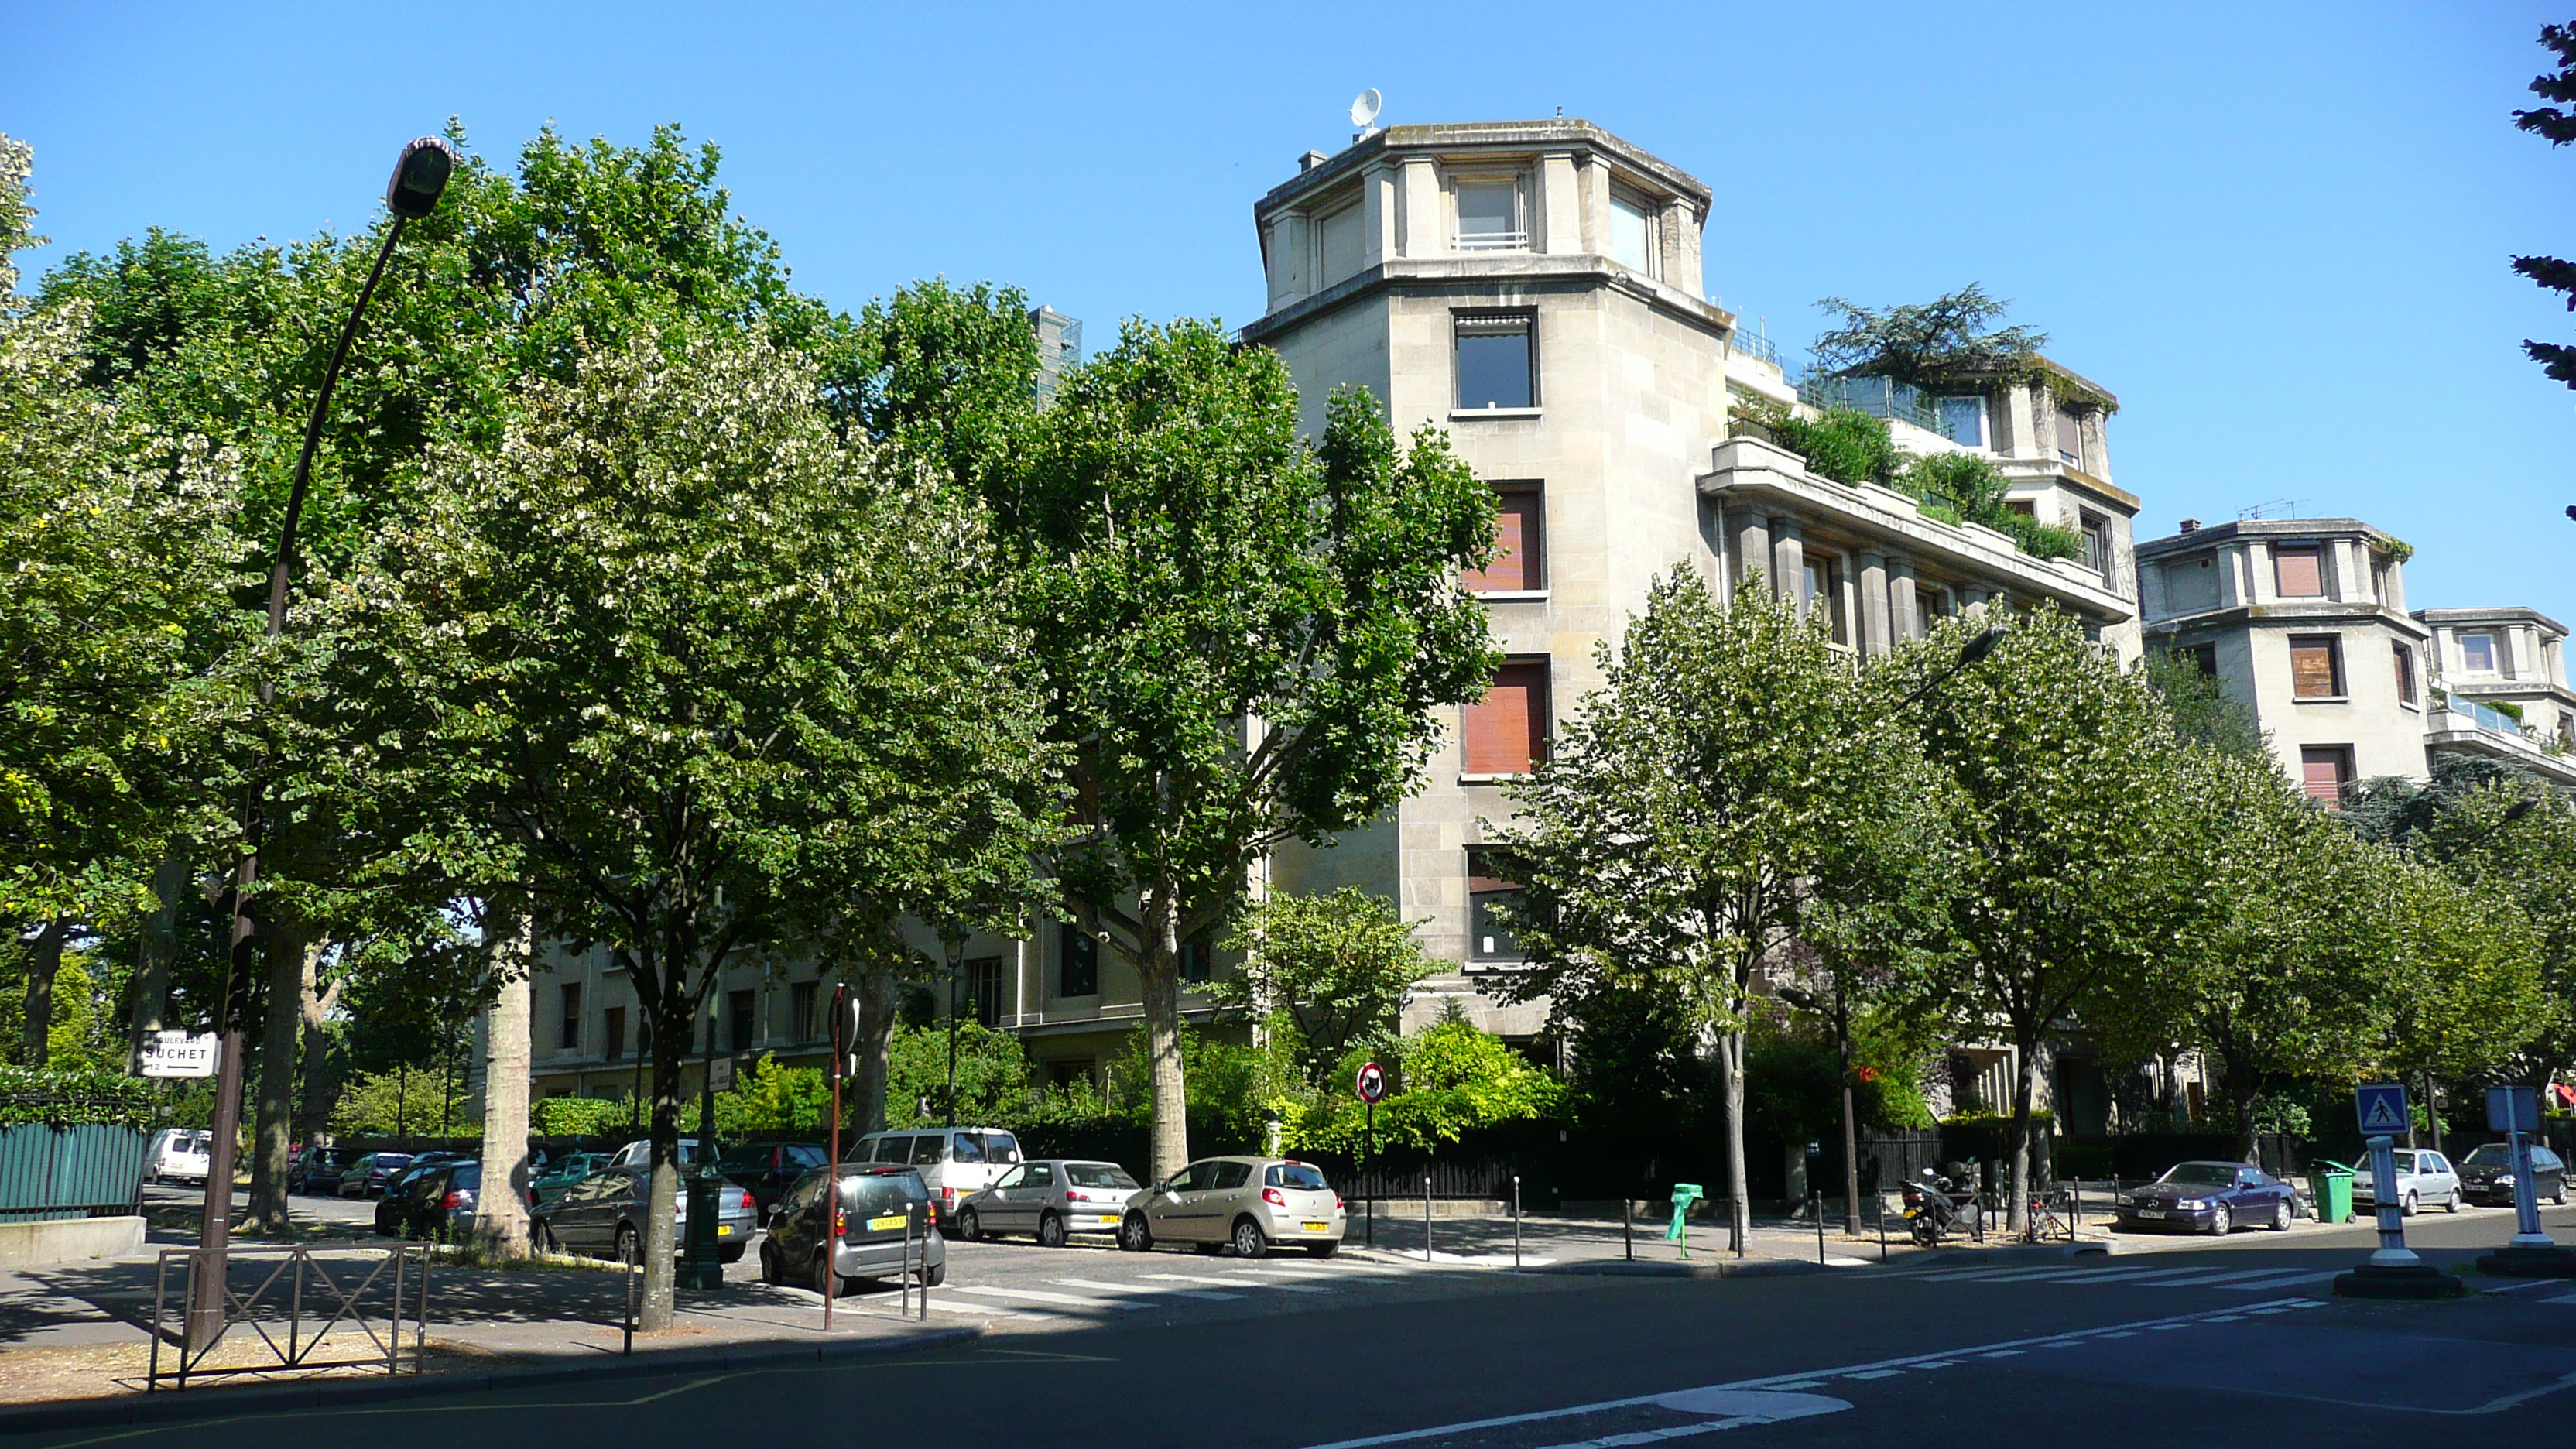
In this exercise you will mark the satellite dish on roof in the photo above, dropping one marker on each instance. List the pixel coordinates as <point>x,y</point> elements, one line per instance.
<point>1364,110</point>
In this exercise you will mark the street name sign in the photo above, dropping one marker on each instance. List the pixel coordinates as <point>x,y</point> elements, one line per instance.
<point>177,1054</point>
<point>2381,1109</point>
<point>1372,1084</point>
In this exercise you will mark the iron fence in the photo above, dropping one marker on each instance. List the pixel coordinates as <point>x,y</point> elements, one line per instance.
<point>274,1307</point>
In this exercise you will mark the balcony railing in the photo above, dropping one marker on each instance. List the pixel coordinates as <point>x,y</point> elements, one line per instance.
<point>1877,396</point>
<point>2486,717</point>
<point>1753,344</point>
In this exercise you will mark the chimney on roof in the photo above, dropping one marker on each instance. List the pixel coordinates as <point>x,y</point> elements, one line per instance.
<point>1310,161</point>
<point>2191,525</point>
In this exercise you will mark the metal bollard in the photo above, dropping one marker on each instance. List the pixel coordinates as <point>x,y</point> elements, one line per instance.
<point>1426,1217</point>
<point>1818,1201</point>
<point>1628,1226</point>
<point>630,1310</point>
<point>1882,1227</point>
<point>1516,1222</point>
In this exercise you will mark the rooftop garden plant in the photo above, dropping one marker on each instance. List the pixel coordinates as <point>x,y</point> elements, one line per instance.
<point>1850,446</point>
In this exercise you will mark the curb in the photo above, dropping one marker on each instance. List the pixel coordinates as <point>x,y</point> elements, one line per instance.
<point>1721,1268</point>
<point>2016,1253</point>
<point>340,1393</point>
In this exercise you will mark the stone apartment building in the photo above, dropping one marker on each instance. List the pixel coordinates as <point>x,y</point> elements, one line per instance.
<point>1536,289</point>
<point>2305,621</point>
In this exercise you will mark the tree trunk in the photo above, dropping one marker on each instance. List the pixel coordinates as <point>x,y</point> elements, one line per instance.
<point>291,956</point>
<point>44,959</point>
<point>321,1086</point>
<point>2025,1084</point>
<point>1739,1209</point>
<point>1157,967</point>
<point>501,1205</point>
<point>661,1243</point>
<point>160,951</point>
<point>876,988</point>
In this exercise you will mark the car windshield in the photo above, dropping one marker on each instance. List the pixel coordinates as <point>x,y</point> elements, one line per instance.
<point>1297,1175</point>
<point>1097,1174</point>
<point>2494,1154</point>
<point>391,1161</point>
<point>879,1192</point>
<point>2199,1174</point>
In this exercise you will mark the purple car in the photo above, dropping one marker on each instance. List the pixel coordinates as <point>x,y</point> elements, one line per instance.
<point>2210,1197</point>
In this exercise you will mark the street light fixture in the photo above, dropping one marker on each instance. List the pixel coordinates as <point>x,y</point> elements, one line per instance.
<point>1973,651</point>
<point>420,177</point>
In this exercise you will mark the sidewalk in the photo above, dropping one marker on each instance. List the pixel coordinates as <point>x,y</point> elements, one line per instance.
<point>1573,1243</point>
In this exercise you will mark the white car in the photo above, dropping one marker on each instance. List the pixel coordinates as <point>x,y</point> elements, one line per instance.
<point>955,1164</point>
<point>2423,1177</point>
<point>1250,1204</point>
<point>639,1153</point>
<point>179,1154</point>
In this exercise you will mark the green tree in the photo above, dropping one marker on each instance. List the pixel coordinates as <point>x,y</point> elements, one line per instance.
<point>2070,875</point>
<point>2559,127</point>
<point>1246,636</point>
<point>695,677</point>
<point>1338,965</point>
<point>1938,345</point>
<point>1667,841</point>
<point>2204,713</point>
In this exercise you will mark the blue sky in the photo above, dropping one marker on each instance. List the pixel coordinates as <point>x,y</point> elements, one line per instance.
<point>2279,233</point>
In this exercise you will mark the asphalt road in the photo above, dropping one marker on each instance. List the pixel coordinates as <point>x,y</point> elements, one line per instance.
<point>2235,1336</point>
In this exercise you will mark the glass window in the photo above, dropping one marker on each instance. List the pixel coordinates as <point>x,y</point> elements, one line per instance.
<point>1013,1178</point>
<point>1097,1174</point>
<point>1825,594</point>
<point>1963,420</point>
<point>1342,246</point>
<point>2198,1174</point>
<point>2405,661</point>
<point>1198,959</point>
<point>1077,970</point>
<point>969,1148</point>
<point>2316,668</point>
<point>2494,1154</point>
<point>1632,234</point>
<point>612,1023</point>
<point>2070,438</point>
<point>984,989</point>
<point>926,1148</point>
<point>1040,1175</point>
<point>874,1193</point>
<point>1193,1178</point>
<point>1227,1176</point>
<point>1496,362</point>
<point>2478,653</point>
<point>1488,938</point>
<point>1506,732</point>
<point>802,1000</point>
<point>1489,215</point>
<point>742,1013</point>
<point>1000,1147</point>
<point>1294,1174</point>
<point>571,1038</point>
<point>2097,544</point>
<point>1520,540</point>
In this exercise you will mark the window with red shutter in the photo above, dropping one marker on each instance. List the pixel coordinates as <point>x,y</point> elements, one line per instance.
<point>2316,668</point>
<point>1506,731</point>
<point>1520,541</point>
<point>2298,571</point>
<point>2324,772</point>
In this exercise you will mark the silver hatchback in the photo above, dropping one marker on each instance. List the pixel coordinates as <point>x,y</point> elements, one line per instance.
<point>1247,1203</point>
<point>1048,1199</point>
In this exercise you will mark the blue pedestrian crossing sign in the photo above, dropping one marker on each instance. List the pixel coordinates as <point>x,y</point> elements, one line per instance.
<point>2382,1109</point>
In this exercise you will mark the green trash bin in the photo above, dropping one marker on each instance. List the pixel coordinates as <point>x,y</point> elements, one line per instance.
<point>2332,1184</point>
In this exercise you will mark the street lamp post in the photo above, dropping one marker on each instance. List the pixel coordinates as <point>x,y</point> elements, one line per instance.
<point>956,969</point>
<point>420,177</point>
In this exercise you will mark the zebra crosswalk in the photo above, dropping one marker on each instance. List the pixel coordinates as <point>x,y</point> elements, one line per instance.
<point>2200,1275</point>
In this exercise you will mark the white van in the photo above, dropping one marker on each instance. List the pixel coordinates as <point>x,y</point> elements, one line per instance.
<point>956,1164</point>
<point>179,1154</point>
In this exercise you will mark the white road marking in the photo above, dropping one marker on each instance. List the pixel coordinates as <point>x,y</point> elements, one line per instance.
<point>1038,1295</point>
<point>1135,1288</point>
<point>1229,1282</point>
<point>1691,1400</point>
<point>2213,1279</point>
<point>2288,1279</point>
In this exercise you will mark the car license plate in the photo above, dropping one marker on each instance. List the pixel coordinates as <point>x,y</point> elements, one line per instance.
<point>1106,1220</point>
<point>724,1230</point>
<point>1319,1227</point>
<point>881,1224</point>
<point>2151,1212</point>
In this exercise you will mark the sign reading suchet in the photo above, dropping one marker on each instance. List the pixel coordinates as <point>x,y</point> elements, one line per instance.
<point>177,1054</point>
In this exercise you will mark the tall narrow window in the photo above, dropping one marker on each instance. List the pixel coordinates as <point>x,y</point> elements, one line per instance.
<point>2478,653</point>
<point>804,1002</point>
<point>1488,937</point>
<point>1632,234</point>
<point>2316,667</point>
<point>1198,959</point>
<point>984,990</point>
<point>1497,365</point>
<point>2070,438</point>
<point>1520,541</point>
<point>1077,967</point>
<point>1825,578</point>
<point>2097,544</point>
<point>742,1015</point>
<point>571,1039</point>
<point>1963,420</point>
<point>2298,571</point>
<point>1506,731</point>
<point>2325,772</point>
<point>612,1031</point>
<point>2405,659</point>
<point>1340,245</point>
<point>1489,215</point>
<point>2203,657</point>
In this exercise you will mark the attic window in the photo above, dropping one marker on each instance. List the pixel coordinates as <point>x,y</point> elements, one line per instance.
<point>1632,233</point>
<point>1489,215</point>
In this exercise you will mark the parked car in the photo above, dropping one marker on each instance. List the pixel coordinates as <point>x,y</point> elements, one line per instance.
<point>2423,1176</point>
<point>885,1213</point>
<point>1248,1203</point>
<point>639,1153</point>
<point>437,1204</point>
<point>604,1216</point>
<point>2210,1197</point>
<point>954,1164</point>
<point>179,1154</point>
<point>560,1176</point>
<point>1048,1199</point>
<point>2487,1174</point>
<point>768,1169</point>
<point>422,1163</point>
<point>318,1171</point>
<point>372,1173</point>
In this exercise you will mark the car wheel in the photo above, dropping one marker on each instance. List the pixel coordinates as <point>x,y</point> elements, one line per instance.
<point>1249,1240</point>
<point>1322,1250</point>
<point>1050,1230</point>
<point>627,1247</point>
<point>2454,1204</point>
<point>771,1272</point>
<point>970,1226</point>
<point>542,1238</point>
<point>2281,1217</point>
<point>1133,1235</point>
<point>2561,1198</point>
<point>2410,1206</point>
<point>2220,1220</point>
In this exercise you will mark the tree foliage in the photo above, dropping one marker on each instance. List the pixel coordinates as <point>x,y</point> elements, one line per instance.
<point>1943,345</point>
<point>2559,127</point>
<point>1339,966</point>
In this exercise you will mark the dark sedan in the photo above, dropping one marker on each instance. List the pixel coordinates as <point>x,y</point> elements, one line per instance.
<point>2210,1197</point>
<point>768,1169</point>
<point>437,1204</point>
<point>2486,1175</point>
<point>318,1171</point>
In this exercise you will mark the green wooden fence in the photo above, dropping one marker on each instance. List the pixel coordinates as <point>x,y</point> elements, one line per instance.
<point>69,1172</point>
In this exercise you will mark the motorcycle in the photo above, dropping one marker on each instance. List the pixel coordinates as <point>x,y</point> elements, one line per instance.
<point>1931,1213</point>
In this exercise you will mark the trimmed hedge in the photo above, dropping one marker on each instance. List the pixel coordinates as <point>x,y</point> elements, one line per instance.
<point>89,1097</point>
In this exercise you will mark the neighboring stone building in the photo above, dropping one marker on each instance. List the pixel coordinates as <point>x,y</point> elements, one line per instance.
<point>2305,621</point>
<point>1535,289</point>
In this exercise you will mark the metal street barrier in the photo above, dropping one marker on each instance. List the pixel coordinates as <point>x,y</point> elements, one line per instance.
<point>275,1306</point>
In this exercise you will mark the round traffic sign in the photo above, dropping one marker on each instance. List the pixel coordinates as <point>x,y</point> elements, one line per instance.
<point>1372,1083</point>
